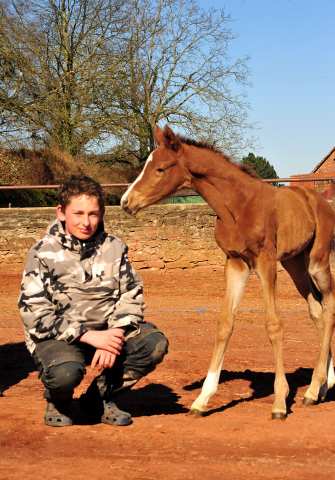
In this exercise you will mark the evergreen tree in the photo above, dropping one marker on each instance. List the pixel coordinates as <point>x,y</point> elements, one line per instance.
<point>262,167</point>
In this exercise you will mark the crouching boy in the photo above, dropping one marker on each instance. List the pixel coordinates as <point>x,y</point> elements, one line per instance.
<point>82,304</point>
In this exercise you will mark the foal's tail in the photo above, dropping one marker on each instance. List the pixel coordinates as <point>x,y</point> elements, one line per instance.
<point>332,244</point>
<point>332,258</point>
<point>332,252</point>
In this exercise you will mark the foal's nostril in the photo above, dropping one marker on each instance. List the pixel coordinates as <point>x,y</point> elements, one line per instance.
<point>124,202</point>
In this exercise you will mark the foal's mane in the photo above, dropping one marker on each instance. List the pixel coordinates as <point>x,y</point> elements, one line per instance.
<point>200,144</point>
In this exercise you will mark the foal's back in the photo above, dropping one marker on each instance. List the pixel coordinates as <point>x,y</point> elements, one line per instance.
<point>303,217</point>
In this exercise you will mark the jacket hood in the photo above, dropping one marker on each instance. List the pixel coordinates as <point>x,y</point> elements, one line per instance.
<point>56,230</point>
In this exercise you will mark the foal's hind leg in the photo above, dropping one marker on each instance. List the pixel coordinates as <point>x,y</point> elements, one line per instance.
<point>321,272</point>
<point>297,269</point>
<point>236,273</point>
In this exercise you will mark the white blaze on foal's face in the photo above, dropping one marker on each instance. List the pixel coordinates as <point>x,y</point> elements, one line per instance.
<point>149,159</point>
<point>125,200</point>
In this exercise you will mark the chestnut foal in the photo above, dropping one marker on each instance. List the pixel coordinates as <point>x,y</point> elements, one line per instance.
<point>257,225</point>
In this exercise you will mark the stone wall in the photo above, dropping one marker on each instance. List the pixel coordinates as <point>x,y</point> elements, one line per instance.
<point>159,237</point>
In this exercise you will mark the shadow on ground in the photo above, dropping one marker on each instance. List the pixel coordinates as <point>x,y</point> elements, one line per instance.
<point>153,399</point>
<point>262,385</point>
<point>15,364</point>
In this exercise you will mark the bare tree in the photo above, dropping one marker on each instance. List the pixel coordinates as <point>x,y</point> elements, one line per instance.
<point>8,72</point>
<point>177,69</point>
<point>77,72</point>
<point>59,49</point>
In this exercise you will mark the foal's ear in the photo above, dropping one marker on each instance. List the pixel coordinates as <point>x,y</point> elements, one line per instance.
<point>166,137</point>
<point>170,139</point>
<point>158,135</point>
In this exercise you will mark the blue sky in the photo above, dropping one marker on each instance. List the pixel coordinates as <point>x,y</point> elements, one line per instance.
<point>291,45</point>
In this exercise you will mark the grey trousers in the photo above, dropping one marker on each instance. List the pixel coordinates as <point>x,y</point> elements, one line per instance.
<point>62,366</point>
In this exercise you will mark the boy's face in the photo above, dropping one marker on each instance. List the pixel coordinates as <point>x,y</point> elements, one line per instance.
<point>82,216</point>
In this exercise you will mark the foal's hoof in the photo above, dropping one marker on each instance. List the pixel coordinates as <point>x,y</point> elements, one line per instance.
<point>196,412</point>
<point>279,416</point>
<point>308,401</point>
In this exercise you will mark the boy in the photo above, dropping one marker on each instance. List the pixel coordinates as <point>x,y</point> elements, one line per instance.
<point>82,303</point>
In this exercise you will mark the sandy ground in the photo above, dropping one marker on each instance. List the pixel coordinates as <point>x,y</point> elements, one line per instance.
<point>236,439</point>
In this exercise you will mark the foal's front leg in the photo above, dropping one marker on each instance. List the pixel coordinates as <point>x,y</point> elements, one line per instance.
<point>236,274</point>
<point>267,272</point>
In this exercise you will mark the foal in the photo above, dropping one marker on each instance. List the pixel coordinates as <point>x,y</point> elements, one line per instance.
<point>257,225</point>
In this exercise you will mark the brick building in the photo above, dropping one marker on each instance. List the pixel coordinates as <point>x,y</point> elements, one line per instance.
<point>325,168</point>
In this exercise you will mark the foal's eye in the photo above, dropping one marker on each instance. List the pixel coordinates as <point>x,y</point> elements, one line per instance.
<point>160,170</point>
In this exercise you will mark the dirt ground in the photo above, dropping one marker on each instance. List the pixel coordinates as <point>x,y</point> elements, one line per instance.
<point>236,439</point>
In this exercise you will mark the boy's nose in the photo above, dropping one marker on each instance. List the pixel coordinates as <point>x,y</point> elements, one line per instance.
<point>86,221</point>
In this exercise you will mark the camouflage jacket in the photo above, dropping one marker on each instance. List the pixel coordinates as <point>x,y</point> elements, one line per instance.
<point>69,287</point>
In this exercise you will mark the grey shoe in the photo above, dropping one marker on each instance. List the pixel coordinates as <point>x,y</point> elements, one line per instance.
<point>114,416</point>
<point>59,414</point>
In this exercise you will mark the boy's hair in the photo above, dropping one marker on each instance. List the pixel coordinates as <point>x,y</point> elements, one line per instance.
<point>78,185</point>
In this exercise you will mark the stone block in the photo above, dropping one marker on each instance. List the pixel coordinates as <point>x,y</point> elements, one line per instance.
<point>156,264</point>
<point>177,264</point>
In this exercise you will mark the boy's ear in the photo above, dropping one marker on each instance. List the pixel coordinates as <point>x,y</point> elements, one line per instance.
<point>60,213</point>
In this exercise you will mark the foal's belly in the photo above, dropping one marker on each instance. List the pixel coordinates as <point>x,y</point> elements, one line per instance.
<point>296,223</point>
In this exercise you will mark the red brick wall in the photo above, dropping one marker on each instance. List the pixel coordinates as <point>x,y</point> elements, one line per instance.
<point>319,186</point>
<point>326,169</point>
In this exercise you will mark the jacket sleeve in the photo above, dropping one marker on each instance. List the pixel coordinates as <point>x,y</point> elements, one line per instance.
<point>36,307</point>
<point>128,310</point>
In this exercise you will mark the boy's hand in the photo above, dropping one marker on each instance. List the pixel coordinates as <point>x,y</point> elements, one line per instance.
<point>103,359</point>
<point>108,344</point>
